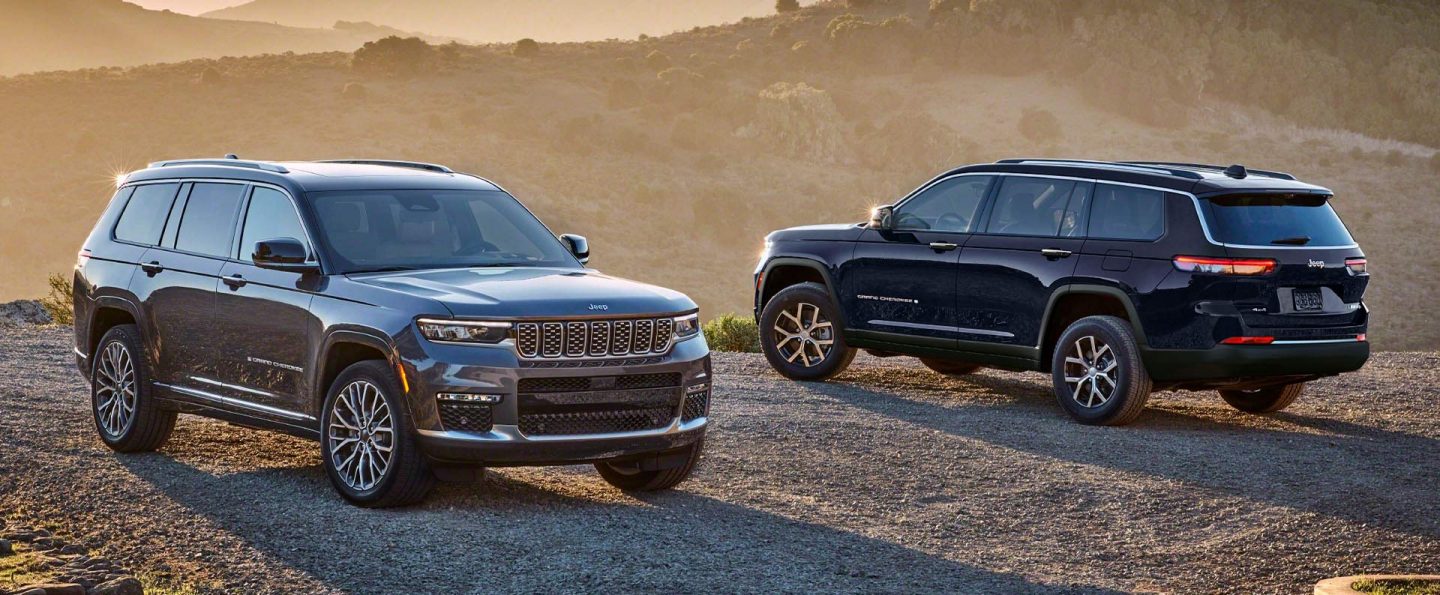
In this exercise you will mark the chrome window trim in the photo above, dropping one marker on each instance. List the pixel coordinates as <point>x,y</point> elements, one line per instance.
<point>1195,201</point>
<point>294,204</point>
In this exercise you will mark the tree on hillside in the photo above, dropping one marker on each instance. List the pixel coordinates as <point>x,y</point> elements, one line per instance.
<point>784,6</point>
<point>393,56</point>
<point>526,48</point>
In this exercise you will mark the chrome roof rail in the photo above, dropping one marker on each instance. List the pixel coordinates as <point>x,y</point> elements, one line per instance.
<point>1120,165</point>
<point>1219,168</point>
<point>437,168</point>
<point>229,161</point>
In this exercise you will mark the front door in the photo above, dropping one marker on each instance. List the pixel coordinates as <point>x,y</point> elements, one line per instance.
<point>263,315</point>
<point>1033,232</point>
<point>903,280</point>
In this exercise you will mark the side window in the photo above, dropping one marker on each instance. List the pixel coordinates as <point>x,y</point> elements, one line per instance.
<point>1077,214</point>
<point>1127,213</point>
<point>949,206</point>
<point>144,217</point>
<point>208,224</point>
<point>1030,206</point>
<point>271,216</point>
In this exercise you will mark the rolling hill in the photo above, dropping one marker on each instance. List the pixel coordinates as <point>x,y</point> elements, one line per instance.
<point>40,35</point>
<point>507,20</point>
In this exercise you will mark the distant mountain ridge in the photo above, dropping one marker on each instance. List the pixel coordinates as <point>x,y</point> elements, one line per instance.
<point>39,35</point>
<point>507,20</point>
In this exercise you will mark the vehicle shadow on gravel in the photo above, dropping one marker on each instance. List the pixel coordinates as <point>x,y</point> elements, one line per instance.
<point>1361,474</point>
<point>508,534</point>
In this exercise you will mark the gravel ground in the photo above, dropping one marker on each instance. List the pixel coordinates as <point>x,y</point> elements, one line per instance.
<point>889,479</point>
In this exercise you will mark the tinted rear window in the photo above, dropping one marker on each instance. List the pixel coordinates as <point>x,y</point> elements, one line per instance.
<point>1127,213</point>
<point>1276,220</point>
<point>208,224</point>
<point>144,216</point>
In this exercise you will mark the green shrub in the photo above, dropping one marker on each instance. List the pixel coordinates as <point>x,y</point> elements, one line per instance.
<point>526,48</point>
<point>393,56</point>
<point>784,6</point>
<point>729,332</point>
<point>60,303</point>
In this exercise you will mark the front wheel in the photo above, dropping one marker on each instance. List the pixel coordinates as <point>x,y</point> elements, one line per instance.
<point>800,334</point>
<point>1263,400</point>
<point>368,442</point>
<point>630,476</point>
<point>1099,378</point>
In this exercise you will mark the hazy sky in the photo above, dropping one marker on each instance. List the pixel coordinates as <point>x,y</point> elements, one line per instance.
<point>187,6</point>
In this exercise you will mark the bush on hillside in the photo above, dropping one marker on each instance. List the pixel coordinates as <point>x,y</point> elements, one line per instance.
<point>657,60</point>
<point>784,6</point>
<point>799,120</point>
<point>393,56</point>
<point>211,76</point>
<point>1039,126</point>
<point>729,332</point>
<point>526,48</point>
<point>354,91</point>
<point>60,302</point>
<point>913,141</point>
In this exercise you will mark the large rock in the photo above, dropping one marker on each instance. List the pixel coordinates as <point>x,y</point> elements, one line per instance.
<point>52,589</point>
<point>124,586</point>
<point>5,548</point>
<point>21,312</point>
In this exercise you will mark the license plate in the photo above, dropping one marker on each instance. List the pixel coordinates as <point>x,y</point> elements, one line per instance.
<point>1308,300</point>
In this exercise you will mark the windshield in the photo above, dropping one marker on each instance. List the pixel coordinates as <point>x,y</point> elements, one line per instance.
<point>380,230</point>
<point>1276,220</point>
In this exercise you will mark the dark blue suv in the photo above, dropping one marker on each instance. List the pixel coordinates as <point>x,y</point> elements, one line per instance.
<point>1117,278</point>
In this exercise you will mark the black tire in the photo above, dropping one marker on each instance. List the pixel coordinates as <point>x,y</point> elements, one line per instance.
<point>147,426</point>
<point>950,367</point>
<point>1263,400</point>
<point>1129,383</point>
<point>629,477</point>
<point>407,477</point>
<point>808,298</point>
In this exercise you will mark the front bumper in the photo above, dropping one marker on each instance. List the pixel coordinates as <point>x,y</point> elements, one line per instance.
<point>435,368</point>
<point>1223,362</point>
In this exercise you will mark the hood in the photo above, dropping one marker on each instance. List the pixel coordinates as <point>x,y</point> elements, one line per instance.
<point>832,231</point>
<point>530,292</point>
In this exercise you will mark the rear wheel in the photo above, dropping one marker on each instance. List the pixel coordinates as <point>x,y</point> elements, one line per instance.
<point>800,334</point>
<point>1263,400</point>
<point>950,367</point>
<point>368,442</point>
<point>1099,378</point>
<point>630,476</point>
<point>126,416</point>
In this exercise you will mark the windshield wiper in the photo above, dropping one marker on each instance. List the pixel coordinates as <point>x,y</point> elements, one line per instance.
<point>384,270</point>
<point>1295,241</point>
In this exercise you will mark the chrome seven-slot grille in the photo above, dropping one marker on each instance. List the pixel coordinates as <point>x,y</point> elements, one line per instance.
<point>571,339</point>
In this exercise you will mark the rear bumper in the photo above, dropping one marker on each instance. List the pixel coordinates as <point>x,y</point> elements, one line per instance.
<point>505,445</point>
<point>1223,362</point>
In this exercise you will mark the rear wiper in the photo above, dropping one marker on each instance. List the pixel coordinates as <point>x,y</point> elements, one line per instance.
<point>1295,241</point>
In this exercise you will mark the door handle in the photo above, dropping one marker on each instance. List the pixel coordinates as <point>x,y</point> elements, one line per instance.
<point>943,246</point>
<point>1055,254</point>
<point>152,267</point>
<point>234,281</point>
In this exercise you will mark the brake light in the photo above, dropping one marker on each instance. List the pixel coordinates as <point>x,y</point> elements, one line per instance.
<point>1248,341</point>
<point>1356,265</point>
<point>1225,266</point>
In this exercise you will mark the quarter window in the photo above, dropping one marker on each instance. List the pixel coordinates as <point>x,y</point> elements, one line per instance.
<point>270,216</point>
<point>1030,206</point>
<point>208,224</point>
<point>144,217</point>
<point>948,206</point>
<point>1127,213</point>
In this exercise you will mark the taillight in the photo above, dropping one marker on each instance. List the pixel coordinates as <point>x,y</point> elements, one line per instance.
<point>1360,337</point>
<point>1248,341</point>
<point>1225,266</point>
<point>1356,265</point>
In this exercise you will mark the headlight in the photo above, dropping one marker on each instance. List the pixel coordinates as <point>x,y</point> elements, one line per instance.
<point>463,331</point>
<point>687,326</point>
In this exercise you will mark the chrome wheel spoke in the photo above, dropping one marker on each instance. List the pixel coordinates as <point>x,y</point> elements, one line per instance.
<point>362,435</point>
<point>1091,361</point>
<point>115,389</point>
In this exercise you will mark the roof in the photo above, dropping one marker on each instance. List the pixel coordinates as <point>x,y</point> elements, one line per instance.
<point>1195,178</point>
<point>319,176</point>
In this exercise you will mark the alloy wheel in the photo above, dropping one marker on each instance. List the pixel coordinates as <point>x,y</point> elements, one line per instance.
<point>803,334</point>
<point>1090,371</point>
<point>115,394</point>
<point>362,435</point>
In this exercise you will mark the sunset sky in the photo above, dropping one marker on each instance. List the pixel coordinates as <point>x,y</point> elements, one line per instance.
<point>187,6</point>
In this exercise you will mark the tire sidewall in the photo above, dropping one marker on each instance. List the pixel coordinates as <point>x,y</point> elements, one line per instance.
<point>810,293</point>
<point>1126,353</point>
<point>126,336</point>
<point>390,391</point>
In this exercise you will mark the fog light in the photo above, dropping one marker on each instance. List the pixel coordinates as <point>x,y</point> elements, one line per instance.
<point>469,398</point>
<point>697,388</point>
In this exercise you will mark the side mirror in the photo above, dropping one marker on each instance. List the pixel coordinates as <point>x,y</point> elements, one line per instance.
<point>882,218</point>
<point>283,254</point>
<point>578,246</point>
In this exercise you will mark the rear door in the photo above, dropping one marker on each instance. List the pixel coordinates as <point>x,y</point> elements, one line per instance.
<point>1033,228</point>
<point>263,315</point>
<point>1312,287</point>
<point>903,280</point>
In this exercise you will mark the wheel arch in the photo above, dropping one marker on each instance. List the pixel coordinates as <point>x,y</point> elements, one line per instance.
<point>109,312</point>
<point>342,349</point>
<point>1078,301</point>
<point>785,271</point>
